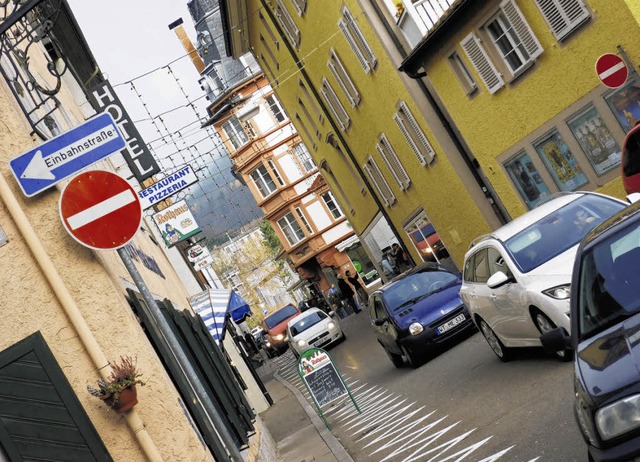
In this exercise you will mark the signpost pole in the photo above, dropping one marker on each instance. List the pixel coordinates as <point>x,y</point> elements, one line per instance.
<point>225,438</point>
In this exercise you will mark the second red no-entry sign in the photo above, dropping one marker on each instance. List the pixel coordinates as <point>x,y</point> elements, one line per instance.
<point>100,210</point>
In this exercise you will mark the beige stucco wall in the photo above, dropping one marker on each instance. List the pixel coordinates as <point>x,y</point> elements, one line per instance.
<point>28,304</point>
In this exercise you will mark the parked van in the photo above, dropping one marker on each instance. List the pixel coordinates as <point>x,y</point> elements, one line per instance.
<point>631,161</point>
<point>275,325</point>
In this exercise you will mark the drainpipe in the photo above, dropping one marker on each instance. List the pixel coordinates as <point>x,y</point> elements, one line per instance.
<point>89,342</point>
<point>497,206</point>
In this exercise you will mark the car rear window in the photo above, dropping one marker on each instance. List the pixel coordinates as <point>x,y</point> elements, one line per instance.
<point>306,322</point>
<point>560,230</point>
<point>609,278</point>
<point>283,313</point>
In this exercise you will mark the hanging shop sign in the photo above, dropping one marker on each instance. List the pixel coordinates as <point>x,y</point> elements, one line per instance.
<point>176,223</point>
<point>167,186</point>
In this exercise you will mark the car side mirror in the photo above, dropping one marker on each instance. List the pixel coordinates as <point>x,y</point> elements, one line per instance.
<point>557,339</point>
<point>379,321</point>
<point>633,197</point>
<point>497,279</point>
<point>332,314</point>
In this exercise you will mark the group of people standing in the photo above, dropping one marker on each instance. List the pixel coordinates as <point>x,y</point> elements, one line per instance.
<point>394,261</point>
<point>351,290</point>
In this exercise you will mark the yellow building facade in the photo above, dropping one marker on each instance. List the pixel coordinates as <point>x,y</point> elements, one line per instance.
<point>519,81</point>
<point>392,174</point>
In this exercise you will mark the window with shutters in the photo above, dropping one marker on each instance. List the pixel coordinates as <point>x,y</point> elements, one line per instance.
<point>563,16</point>
<point>291,229</point>
<point>304,221</point>
<point>263,181</point>
<point>356,41</point>
<point>334,105</point>
<point>379,183</point>
<point>462,73</point>
<point>394,165</point>
<point>286,22</point>
<point>342,77</point>
<point>416,139</point>
<point>300,6</point>
<point>511,42</point>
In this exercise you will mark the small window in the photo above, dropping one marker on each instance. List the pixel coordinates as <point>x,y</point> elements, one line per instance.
<point>462,73</point>
<point>263,181</point>
<point>276,108</point>
<point>291,229</point>
<point>394,165</point>
<point>563,16</point>
<point>304,221</point>
<point>332,205</point>
<point>356,41</point>
<point>276,173</point>
<point>303,155</point>
<point>235,132</point>
<point>379,183</point>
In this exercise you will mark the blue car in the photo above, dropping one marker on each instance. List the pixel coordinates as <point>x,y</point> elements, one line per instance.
<point>605,335</point>
<point>418,312</point>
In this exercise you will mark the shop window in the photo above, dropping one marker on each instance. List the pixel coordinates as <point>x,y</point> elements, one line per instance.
<point>362,263</point>
<point>527,180</point>
<point>595,139</point>
<point>559,160</point>
<point>426,240</point>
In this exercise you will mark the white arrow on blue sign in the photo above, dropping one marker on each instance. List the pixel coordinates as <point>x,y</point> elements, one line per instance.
<point>66,154</point>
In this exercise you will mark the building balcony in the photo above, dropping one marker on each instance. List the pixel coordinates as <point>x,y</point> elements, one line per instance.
<point>420,17</point>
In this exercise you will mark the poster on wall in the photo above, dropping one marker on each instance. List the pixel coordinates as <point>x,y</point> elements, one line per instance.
<point>527,179</point>
<point>625,104</point>
<point>560,162</point>
<point>596,140</point>
<point>176,223</point>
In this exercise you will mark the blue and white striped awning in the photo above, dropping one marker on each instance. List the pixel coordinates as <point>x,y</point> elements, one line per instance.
<point>213,305</point>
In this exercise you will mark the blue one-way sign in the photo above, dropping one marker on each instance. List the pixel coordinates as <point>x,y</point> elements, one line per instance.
<point>66,154</point>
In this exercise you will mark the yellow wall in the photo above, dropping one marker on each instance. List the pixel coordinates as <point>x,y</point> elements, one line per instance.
<point>436,188</point>
<point>563,73</point>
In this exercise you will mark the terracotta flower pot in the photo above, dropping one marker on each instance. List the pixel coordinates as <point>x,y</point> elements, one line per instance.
<point>127,399</point>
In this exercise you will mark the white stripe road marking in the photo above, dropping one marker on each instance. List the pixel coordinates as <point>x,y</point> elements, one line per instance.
<point>611,70</point>
<point>101,209</point>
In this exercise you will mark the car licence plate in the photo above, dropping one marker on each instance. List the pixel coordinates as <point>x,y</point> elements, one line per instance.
<point>450,324</point>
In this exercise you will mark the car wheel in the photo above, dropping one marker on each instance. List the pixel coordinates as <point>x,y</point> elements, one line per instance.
<point>494,342</point>
<point>544,325</point>
<point>413,359</point>
<point>395,359</point>
<point>295,353</point>
<point>343,338</point>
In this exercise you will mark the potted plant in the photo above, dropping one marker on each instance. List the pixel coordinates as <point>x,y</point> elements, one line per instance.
<point>119,389</point>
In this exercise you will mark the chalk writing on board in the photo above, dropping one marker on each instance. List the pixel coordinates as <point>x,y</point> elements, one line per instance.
<point>325,384</point>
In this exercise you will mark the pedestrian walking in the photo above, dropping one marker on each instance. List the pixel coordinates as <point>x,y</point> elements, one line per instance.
<point>347,294</point>
<point>360,289</point>
<point>400,258</point>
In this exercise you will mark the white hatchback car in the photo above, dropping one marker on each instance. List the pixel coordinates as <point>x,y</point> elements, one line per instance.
<point>516,280</point>
<point>313,328</point>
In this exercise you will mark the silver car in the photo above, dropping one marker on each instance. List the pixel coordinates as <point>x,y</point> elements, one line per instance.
<point>516,281</point>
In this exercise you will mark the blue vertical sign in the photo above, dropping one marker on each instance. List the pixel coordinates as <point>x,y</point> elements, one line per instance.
<point>66,154</point>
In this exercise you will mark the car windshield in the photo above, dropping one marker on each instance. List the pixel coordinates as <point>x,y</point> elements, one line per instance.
<point>417,286</point>
<point>283,313</point>
<point>608,281</point>
<point>306,322</point>
<point>559,231</point>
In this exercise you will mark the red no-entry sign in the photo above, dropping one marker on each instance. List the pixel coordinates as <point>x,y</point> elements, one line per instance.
<point>612,70</point>
<point>100,210</point>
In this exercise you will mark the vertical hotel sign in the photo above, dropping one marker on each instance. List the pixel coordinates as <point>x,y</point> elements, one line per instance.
<point>176,223</point>
<point>139,159</point>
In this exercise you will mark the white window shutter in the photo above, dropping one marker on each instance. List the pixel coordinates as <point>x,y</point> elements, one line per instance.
<point>563,16</point>
<point>410,142</point>
<point>480,60</point>
<point>422,138</point>
<point>334,104</point>
<point>353,45</point>
<point>394,165</point>
<point>340,73</point>
<point>359,37</point>
<point>379,183</point>
<point>519,24</point>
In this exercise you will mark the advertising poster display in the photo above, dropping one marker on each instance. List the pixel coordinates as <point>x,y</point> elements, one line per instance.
<point>176,223</point>
<point>560,162</point>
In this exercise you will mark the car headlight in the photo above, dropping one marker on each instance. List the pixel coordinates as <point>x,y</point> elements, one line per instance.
<point>584,419</point>
<point>416,328</point>
<point>279,337</point>
<point>301,343</point>
<point>331,325</point>
<point>267,344</point>
<point>618,418</point>
<point>562,292</point>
